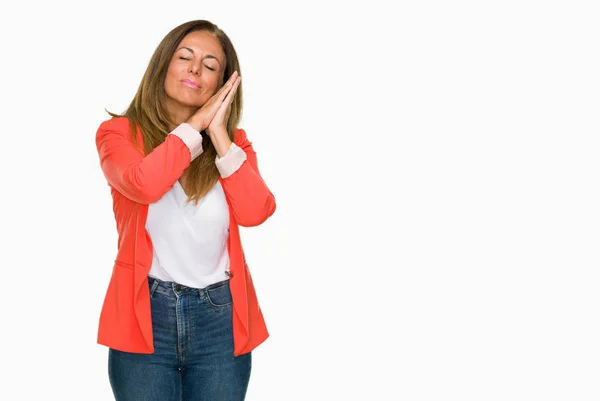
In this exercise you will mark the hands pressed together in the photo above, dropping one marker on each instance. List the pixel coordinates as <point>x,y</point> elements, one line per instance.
<point>214,114</point>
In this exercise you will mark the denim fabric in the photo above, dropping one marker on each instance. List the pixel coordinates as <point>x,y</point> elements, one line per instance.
<point>193,342</point>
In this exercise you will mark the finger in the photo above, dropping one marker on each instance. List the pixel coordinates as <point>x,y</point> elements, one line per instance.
<point>225,89</point>
<point>229,82</point>
<point>233,76</point>
<point>215,102</point>
<point>225,107</point>
<point>231,94</point>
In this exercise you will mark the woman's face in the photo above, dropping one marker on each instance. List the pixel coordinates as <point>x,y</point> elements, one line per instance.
<point>194,72</point>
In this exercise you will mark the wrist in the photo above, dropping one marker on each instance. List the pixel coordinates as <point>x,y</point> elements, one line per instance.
<point>220,132</point>
<point>195,124</point>
<point>221,142</point>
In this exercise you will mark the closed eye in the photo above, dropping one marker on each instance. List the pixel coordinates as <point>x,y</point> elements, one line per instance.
<point>212,69</point>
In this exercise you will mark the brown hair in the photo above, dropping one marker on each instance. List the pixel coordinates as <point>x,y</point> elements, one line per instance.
<point>148,109</point>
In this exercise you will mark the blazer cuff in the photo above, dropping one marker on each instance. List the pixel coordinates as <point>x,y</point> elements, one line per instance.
<point>232,161</point>
<point>191,138</point>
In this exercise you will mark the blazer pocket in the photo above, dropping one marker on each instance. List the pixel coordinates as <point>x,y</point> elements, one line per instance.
<point>125,265</point>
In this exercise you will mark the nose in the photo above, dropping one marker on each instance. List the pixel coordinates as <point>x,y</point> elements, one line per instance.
<point>195,69</point>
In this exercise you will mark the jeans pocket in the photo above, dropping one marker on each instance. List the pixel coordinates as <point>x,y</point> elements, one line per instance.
<point>219,296</point>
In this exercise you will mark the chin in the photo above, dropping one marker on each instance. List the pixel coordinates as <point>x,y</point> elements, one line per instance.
<point>190,102</point>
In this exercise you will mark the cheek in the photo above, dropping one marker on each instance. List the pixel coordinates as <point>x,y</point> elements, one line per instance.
<point>170,82</point>
<point>212,87</point>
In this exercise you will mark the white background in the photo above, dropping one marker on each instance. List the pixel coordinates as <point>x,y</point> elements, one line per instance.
<point>436,172</point>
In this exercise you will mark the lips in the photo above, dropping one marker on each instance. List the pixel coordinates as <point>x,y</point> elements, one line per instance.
<point>190,83</point>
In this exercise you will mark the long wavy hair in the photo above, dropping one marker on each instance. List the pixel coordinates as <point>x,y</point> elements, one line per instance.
<point>148,108</point>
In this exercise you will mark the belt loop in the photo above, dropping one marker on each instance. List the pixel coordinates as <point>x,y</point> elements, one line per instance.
<point>154,285</point>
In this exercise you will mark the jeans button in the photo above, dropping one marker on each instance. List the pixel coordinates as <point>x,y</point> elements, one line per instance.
<point>178,287</point>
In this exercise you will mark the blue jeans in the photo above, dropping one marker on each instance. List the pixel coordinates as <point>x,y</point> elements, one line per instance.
<point>193,349</point>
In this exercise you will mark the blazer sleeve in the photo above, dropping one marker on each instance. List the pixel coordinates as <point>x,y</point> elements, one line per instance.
<point>144,178</point>
<point>249,196</point>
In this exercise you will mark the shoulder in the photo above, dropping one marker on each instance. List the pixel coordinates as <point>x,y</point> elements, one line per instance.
<point>114,129</point>
<point>120,124</point>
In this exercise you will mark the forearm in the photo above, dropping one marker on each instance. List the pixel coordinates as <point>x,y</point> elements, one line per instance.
<point>221,142</point>
<point>144,179</point>
<point>250,198</point>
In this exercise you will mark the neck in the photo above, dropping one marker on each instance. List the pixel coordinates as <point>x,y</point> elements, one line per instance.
<point>179,114</point>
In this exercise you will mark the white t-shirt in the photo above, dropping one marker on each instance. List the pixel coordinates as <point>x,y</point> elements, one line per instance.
<point>189,241</point>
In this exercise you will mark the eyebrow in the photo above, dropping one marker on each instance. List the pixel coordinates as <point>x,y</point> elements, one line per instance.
<point>207,56</point>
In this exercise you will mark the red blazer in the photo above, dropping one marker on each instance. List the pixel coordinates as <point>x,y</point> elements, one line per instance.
<point>137,180</point>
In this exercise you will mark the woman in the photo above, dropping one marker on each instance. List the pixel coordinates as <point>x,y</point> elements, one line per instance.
<point>181,315</point>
